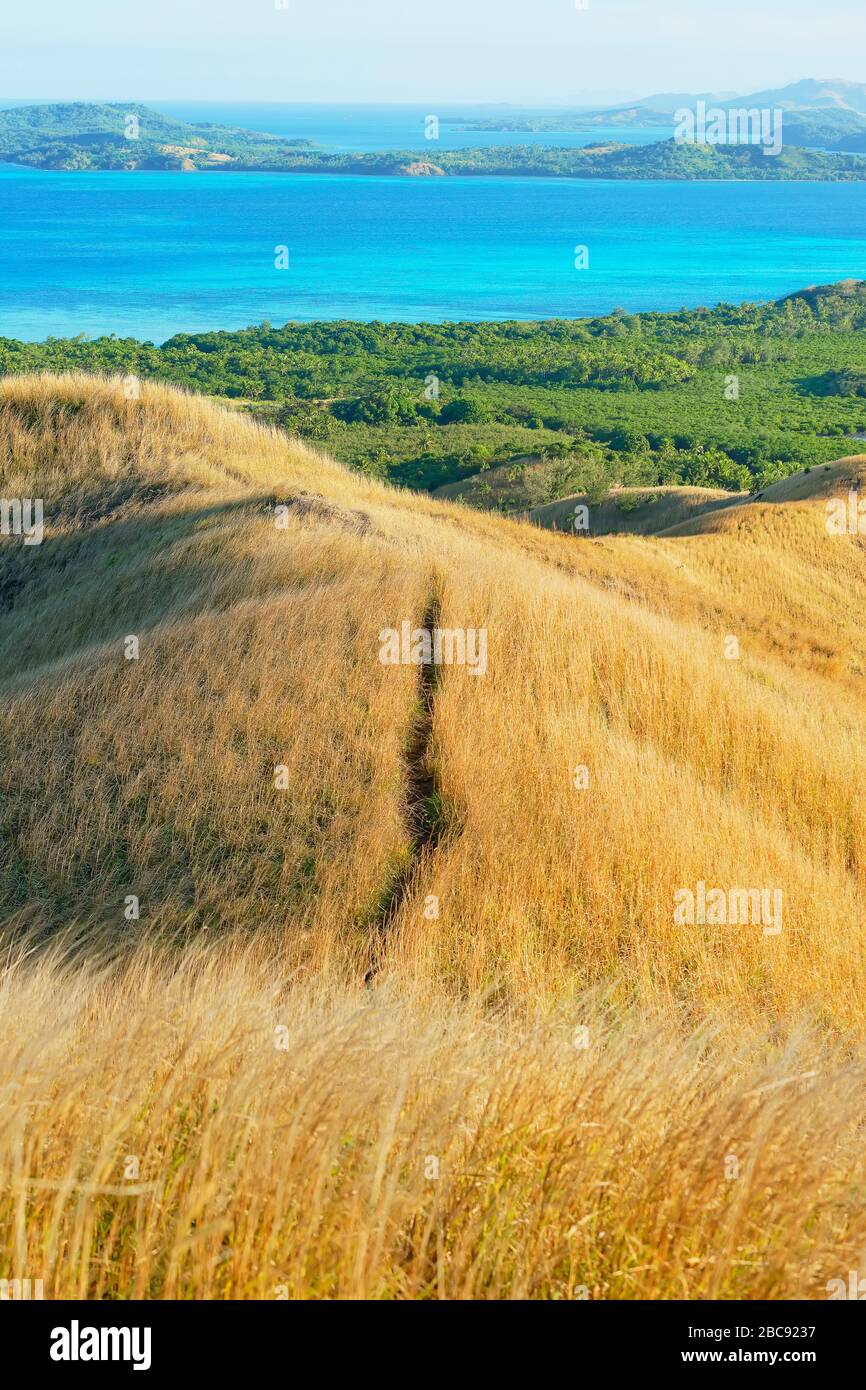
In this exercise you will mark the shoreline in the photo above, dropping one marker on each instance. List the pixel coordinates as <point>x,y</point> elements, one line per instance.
<point>478,176</point>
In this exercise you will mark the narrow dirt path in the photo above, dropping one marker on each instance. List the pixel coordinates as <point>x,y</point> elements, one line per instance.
<point>423,820</point>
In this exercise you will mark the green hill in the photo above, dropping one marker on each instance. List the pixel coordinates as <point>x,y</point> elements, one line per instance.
<point>118,135</point>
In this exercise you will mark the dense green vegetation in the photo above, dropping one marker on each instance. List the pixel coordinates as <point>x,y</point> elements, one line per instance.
<point>736,396</point>
<point>847,382</point>
<point>80,136</point>
<point>84,135</point>
<point>664,159</point>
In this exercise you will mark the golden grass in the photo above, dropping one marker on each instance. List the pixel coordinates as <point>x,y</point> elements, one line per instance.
<point>625,510</point>
<point>308,1169</point>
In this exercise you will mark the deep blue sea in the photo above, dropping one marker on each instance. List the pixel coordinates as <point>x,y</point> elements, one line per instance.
<point>153,254</point>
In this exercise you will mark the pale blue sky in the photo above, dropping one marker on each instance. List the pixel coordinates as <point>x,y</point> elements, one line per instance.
<point>426,51</point>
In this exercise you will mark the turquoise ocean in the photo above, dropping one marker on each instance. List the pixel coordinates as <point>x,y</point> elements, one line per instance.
<point>153,254</point>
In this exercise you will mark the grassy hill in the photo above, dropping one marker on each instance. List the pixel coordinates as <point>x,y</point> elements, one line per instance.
<point>643,511</point>
<point>416,1021</point>
<point>659,511</point>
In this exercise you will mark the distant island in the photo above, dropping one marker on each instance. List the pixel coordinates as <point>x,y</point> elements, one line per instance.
<point>81,136</point>
<point>829,115</point>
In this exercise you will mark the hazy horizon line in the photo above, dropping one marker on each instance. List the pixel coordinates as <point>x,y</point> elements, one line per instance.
<point>590,101</point>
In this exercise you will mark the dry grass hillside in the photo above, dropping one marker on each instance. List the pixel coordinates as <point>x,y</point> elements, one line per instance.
<point>405,1011</point>
<point>632,510</point>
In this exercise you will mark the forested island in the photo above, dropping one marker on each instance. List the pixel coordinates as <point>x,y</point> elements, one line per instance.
<point>81,136</point>
<point>737,396</point>
<point>86,135</point>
